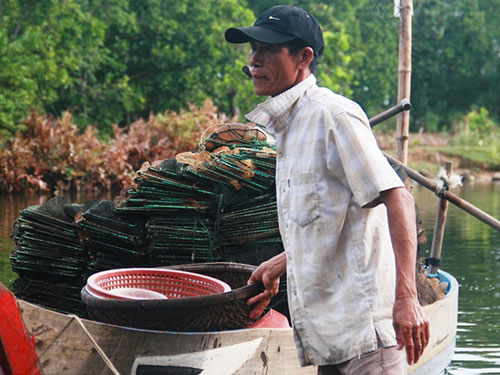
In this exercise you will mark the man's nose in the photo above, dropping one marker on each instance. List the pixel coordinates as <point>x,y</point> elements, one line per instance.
<point>255,58</point>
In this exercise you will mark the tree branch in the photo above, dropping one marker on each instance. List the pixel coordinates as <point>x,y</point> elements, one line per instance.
<point>19,25</point>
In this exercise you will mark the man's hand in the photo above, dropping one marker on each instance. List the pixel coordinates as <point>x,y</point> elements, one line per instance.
<point>268,273</point>
<point>410,323</point>
<point>412,328</point>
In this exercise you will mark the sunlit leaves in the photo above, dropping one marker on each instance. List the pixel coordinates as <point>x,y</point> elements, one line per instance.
<point>113,61</point>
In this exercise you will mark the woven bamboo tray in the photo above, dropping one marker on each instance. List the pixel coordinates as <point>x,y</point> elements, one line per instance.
<point>215,312</point>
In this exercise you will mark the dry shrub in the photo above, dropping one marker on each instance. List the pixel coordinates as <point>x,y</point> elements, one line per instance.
<point>53,155</point>
<point>49,154</point>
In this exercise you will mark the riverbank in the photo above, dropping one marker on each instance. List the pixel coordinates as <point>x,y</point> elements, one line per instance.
<point>427,153</point>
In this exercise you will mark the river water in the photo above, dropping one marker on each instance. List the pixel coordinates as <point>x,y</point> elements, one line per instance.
<point>471,253</point>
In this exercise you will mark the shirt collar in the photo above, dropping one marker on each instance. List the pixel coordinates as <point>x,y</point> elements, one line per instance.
<point>275,107</point>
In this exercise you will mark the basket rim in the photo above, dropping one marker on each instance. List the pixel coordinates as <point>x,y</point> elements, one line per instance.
<point>241,293</point>
<point>92,280</point>
<point>215,266</point>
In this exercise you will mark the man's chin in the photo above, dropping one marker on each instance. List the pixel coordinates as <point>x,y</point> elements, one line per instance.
<point>261,92</point>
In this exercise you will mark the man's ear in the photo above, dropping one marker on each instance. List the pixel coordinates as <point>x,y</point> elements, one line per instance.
<point>306,56</point>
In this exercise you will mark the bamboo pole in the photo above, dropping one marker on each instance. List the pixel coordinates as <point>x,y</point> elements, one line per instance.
<point>404,78</point>
<point>425,182</point>
<point>437,238</point>
<point>456,200</point>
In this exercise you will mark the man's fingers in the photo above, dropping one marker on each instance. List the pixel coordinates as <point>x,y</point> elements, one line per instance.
<point>259,303</point>
<point>417,343</point>
<point>256,311</point>
<point>413,340</point>
<point>404,337</point>
<point>424,334</point>
<point>423,340</point>
<point>251,280</point>
<point>412,328</point>
<point>258,298</point>
<point>427,333</point>
<point>410,345</point>
<point>399,339</point>
<point>410,354</point>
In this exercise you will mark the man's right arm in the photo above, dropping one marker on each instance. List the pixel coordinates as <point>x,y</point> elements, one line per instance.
<point>410,322</point>
<point>268,273</point>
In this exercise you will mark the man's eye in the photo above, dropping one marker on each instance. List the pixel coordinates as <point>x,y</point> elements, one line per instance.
<point>263,47</point>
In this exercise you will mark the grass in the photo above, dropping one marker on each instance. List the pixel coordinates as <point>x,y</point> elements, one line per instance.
<point>424,159</point>
<point>474,155</point>
<point>427,168</point>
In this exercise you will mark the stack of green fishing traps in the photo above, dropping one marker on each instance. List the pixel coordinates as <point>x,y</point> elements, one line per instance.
<point>214,204</point>
<point>111,240</point>
<point>49,256</point>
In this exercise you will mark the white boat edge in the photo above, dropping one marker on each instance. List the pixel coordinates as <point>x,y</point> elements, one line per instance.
<point>442,316</point>
<point>64,347</point>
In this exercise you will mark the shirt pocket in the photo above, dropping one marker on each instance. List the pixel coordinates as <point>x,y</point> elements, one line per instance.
<point>304,199</point>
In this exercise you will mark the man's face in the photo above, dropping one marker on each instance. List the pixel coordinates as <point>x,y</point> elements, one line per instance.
<point>273,69</point>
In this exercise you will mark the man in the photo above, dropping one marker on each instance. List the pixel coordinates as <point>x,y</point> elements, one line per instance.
<point>346,220</point>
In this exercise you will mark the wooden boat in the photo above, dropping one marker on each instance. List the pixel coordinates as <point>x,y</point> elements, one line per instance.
<point>66,344</point>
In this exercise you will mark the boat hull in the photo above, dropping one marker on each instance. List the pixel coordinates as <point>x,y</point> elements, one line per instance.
<point>442,317</point>
<point>65,346</point>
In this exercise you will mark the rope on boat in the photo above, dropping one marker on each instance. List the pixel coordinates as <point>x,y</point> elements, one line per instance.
<point>101,353</point>
<point>96,345</point>
<point>446,181</point>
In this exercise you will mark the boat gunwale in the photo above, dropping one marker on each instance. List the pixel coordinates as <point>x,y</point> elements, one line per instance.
<point>451,290</point>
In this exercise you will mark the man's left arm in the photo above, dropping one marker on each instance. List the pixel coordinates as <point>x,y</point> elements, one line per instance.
<point>410,323</point>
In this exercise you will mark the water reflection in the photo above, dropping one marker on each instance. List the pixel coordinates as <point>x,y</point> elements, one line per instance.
<point>471,253</point>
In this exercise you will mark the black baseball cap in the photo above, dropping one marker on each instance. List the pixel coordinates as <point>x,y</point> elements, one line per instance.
<point>280,24</point>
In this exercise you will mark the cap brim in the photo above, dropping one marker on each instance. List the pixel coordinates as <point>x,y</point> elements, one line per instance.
<point>258,33</point>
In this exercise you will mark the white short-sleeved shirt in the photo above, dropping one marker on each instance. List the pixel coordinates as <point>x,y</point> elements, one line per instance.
<point>340,261</point>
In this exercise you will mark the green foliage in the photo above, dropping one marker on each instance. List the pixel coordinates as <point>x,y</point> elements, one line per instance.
<point>360,58</point>
<point>479,135</point>
<point>376,44</point>
<point>45,46</point>
<point>178,54</point>
<point>481,123</point>
<point>337,76</point>
<point>451,49</point>
<point>110,61</point>
<point>114,61</point>
<point>19,88</point>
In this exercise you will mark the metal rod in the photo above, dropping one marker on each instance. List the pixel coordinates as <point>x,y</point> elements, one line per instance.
<point>439,225</point>
<point>456,200</point>
<point>404,105</point>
